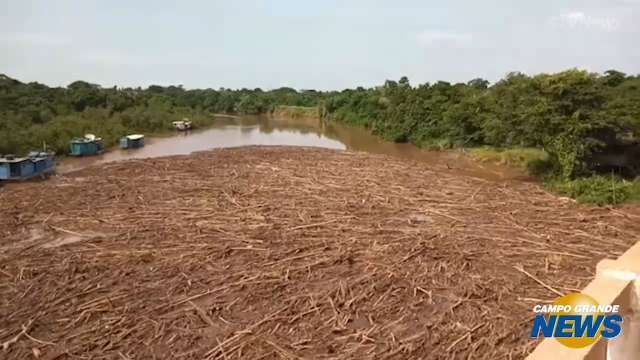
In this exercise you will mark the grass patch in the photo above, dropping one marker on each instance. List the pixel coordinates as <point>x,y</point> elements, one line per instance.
<point>524,158</point>
<point>597,189</point>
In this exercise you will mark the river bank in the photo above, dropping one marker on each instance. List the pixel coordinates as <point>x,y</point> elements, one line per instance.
<point>289,251</point>
<point>233,131</point>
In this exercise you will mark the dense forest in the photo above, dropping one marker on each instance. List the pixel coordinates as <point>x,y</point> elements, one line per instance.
<point>586,123</point>
<point>32,114</point>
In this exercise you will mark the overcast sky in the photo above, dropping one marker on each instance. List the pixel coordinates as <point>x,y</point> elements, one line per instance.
<point>328,44</point>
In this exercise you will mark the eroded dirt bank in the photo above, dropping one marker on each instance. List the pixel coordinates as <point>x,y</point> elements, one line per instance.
<point>279,252</point>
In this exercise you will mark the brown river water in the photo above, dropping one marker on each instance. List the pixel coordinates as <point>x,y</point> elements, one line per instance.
<point>263,130</point>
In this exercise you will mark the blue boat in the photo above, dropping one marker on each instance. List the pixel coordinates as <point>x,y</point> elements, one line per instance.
<point>132,141</point>
<point>86,146</point>
<point>22,168</point>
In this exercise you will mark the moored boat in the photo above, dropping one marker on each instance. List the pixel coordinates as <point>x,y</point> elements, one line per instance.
<point>86,146</point>
<point>182,125</point>
<point>133,141</point>
<point>36,163</point>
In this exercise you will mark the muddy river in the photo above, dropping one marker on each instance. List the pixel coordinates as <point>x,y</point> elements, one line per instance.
<point>263,130</point>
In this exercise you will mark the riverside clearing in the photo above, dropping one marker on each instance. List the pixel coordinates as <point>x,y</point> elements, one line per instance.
<point>288,252</point>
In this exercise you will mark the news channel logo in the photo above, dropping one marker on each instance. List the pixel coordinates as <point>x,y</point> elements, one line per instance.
<point>576,320</point>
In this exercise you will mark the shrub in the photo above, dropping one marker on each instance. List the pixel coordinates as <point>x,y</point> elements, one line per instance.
<point>597,189</point>
<point>524,158</point>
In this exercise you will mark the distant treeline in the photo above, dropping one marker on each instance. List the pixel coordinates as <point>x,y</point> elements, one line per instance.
<point>572,115</point>
<point>588,124</point>
<point>569,114</point>
<point>32,114</point>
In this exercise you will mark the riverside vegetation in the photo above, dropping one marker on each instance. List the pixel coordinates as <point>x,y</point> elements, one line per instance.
<point>32,114</point>
<point>555,125</point>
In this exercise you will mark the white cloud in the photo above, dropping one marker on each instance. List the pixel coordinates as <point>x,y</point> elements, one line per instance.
<point>431,37</point>
<point>577,19</point>
<point>113,58</point>
<point>628,2</point>
<point>117,57</point>
<point>34,39</point>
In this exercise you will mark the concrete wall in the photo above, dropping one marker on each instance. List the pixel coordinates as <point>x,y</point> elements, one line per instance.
<point>616,282</point>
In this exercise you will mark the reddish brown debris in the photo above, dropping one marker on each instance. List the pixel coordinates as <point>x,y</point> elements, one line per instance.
<point>278,252</point>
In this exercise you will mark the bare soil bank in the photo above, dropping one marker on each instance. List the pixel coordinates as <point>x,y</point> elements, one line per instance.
<point>281,252</point>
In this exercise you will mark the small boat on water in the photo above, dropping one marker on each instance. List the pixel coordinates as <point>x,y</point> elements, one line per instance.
<point>36,163</point>
<point>86,146</point>
<point>182,125</point>
<point>132,141</point>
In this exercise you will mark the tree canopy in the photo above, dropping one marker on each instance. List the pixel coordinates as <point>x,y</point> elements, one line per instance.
<point>569,114</point>
<point>566,114</point>
<point>32,114</point>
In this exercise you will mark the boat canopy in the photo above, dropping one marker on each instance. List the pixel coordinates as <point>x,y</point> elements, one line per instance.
<point>86,139</point>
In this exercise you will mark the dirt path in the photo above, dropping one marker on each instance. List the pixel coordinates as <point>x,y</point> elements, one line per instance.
<point>278,252</point>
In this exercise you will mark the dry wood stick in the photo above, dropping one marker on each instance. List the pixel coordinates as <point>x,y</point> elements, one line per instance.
<point>522,270</point>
